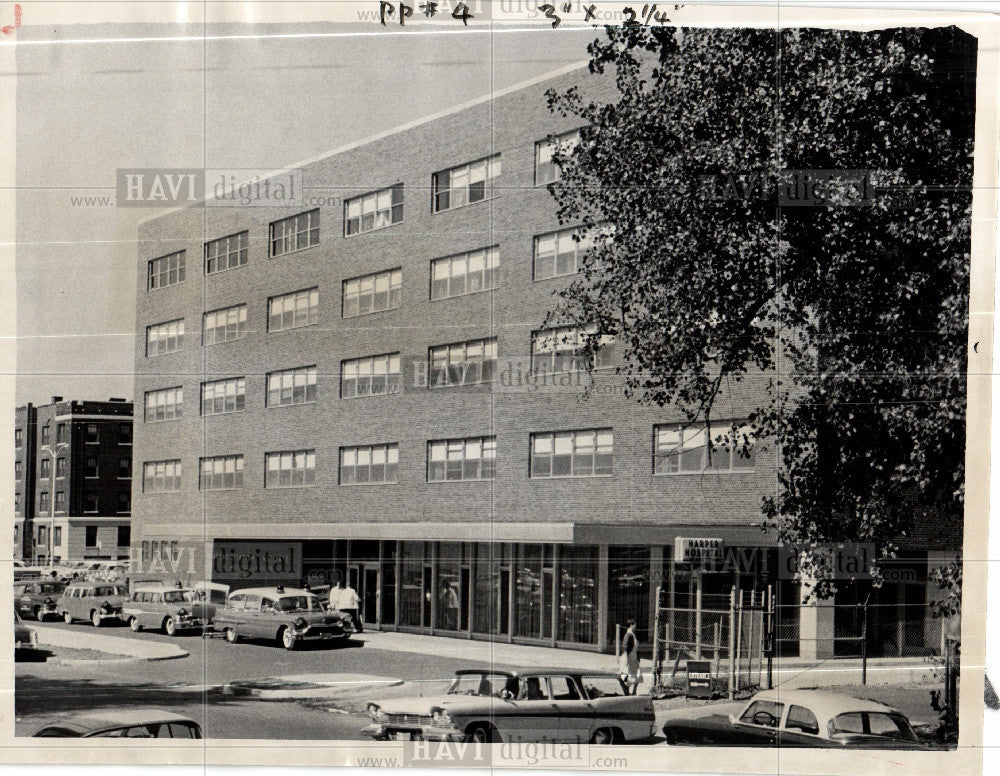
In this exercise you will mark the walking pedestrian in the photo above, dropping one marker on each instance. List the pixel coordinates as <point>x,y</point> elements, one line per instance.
<point>350,602</point>
<point>631,673</point>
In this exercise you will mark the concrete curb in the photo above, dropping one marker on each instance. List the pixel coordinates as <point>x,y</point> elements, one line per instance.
<point>135,649</point>
<point>327,687</point>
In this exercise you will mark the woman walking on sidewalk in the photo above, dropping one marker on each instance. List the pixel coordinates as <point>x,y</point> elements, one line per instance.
<point>630,670</point>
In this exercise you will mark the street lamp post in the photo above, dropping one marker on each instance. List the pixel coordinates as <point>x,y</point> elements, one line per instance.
<point>53,453</point>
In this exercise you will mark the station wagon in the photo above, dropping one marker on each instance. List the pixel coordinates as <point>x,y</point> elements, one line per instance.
<point>170,607</point>
<point>98,602</point>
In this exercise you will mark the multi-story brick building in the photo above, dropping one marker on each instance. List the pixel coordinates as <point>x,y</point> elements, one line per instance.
<point>361,386</point>
<point>73,480</point>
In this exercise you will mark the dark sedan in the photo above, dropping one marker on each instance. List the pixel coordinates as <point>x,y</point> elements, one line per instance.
<point>800,719</point>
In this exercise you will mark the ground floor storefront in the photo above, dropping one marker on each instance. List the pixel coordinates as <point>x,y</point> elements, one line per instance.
<point>581,594</point>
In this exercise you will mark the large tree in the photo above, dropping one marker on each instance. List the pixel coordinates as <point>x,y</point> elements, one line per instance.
<point>852,307</point>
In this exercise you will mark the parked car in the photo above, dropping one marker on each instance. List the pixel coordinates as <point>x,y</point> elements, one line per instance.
<point>288,616</point>
<point>800,718</point>
<point>99,602</point>
<point>519,706</point>
<point>25,639</point>
<point>130,723</point>
<point>170,607</point>
<point>38,597</point>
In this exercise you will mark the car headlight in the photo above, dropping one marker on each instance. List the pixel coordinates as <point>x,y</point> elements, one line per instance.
<point>376,713</point>
<point>441,717</point>
<point>49,602</point>
<point>182,612</point>
<point>300,624</point>
<point>105,607</point>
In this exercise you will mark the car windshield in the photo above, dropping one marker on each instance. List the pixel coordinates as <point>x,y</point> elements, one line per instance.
<point>486,684</point>
<point>298,603</point>
<point>178,596</point>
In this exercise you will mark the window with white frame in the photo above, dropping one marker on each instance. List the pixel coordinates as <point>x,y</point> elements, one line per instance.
<point>369,464</point>
<point>291,386</point>
<point>450,460</point>
<point>546,170</point>
<point>682,448</point>
<point>558,253</point>
<point>161,476</point>
<point>290,469</point>
<point>165,271</point>
<point>465,184</point>
<point>464,273</point>
<point>371,376</point>
<point>583,453</point>
<point>221,472</point>
<point>220,397</point>
<point>462,363</point>
<point>563,349</point>
<point>223,325</point>
<point>372,293</point>
<point>164,337</point>
<point>294,310</point>
<point>375,210</point>
<point>226,253</point>
<point>294,233</point>
<point>164,404</point>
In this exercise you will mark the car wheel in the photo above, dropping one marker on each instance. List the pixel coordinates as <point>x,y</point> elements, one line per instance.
<point>287,638</point>
<point>603,736</point>
<point>170,626</point>
<point>231,635</point>
<point>134,624</point>
<point>95,618</point>
<point>67,617</point>
<point>483,734</point>
<point>671,736</point>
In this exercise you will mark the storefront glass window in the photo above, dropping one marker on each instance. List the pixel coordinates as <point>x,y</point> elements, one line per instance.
<point>411,583</point>
<point>449,585</point>
<point>528,593</point>
<point>577,617</point>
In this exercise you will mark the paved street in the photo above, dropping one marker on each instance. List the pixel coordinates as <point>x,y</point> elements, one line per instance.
<point>192,685</point>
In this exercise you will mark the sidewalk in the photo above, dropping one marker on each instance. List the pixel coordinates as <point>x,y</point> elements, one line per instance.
<point>136,649</point>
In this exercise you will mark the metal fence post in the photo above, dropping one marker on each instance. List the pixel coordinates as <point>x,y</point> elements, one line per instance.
<point>732,644</point>
<point>864,640</point>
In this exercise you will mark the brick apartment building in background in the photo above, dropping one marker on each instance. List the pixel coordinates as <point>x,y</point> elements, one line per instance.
<point>73,481</point>
<point>361,386</point>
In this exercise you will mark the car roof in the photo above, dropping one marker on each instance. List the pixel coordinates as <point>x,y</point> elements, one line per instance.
<point>156,587</point>
<point>272,591</point>
<point>111,718</point>
<point>824,704</point>
<point>576,672</point>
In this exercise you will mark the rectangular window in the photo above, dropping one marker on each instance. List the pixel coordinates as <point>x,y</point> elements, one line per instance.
<point>463,363</point>
<point>90,503</point>
<point>223,472</point>
<point>372,293</point>
<point>60,467</point>
<point>584,453</point>
<point>125,434</point>
<point>124,535</point>
<point>166,271</point>
<point>291,386</point>
<point>17,468</point>
<point>90,536</point>
<point>369,465</point>
<point>372,376</point>
<point>558,253</point>
<point>90,466</point>
<point>547,171</point>
<point>229,323</point>
<point>161,476</point>
<point>57,530</point>
<point>46,436</point>
<point>226,253</point>
<point>290,469</point>
<point>45,467</point>
<point>683,448</point>
<point>450,460</point>
<point>463,185</point>
<point>376,210</point>
<point>43,535</point>
<point>43,502</point>
<point>61,432</point>
<point>165,337</point>
<point>164,404</point>
<point>294,233</point>
<point>220,397</point>
<point>18,437</point>
<point>564,350</point>
<point>294,310</point>
<point>60,501</point>
<point>124,502</point>
<point>465,273</point>
<point>125,468</point>
<point>92,434</point>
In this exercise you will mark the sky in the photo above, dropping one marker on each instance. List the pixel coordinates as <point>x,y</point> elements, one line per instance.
<point>254,101</point>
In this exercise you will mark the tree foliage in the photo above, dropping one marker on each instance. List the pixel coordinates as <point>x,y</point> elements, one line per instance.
<point>853,307</point>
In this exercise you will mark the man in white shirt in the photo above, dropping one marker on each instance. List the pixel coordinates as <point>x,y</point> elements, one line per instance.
<point>348,601</point>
